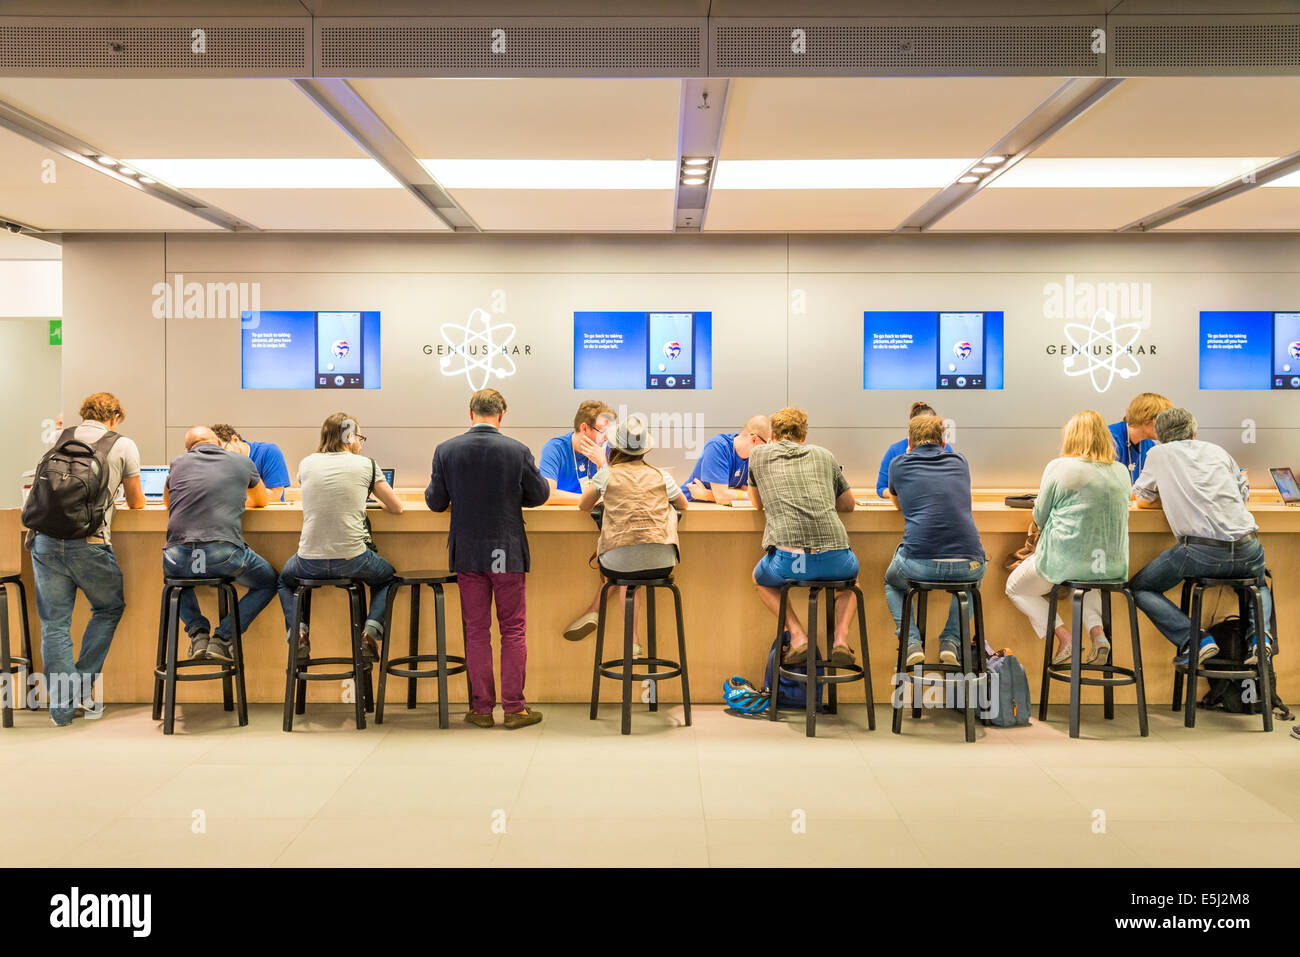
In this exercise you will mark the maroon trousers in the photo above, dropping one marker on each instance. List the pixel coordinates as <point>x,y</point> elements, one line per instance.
<point>477,591</point>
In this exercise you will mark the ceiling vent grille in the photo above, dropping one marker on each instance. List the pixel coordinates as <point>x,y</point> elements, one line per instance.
<point>510,47</point>
<point>1205,46</point>
<point>1040,46</point>
<point>144,47</point>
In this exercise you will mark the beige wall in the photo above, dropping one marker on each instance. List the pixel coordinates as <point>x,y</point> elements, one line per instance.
<point>29,396</point>
<point>787,314</point>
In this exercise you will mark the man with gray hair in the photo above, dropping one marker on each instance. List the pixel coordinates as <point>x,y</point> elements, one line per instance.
<point>206,492</point>
<point>1203,494</point>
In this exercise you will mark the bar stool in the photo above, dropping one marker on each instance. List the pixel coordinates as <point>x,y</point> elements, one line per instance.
<point>1248,597</point>
<point>967,595</point>
<point>400,667</point>
<point>627,662</point>
<point>12,665</point>
<point>809,676</point>
<point>297,673</point>
<point>169,662</point>
<point>1072,672</point>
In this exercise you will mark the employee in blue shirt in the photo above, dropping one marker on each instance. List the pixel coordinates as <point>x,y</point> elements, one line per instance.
<point>899,447</point>
<point>568,463</point>
<point>1135,436</point>
<point>265,455</point>
<point>722,470</point>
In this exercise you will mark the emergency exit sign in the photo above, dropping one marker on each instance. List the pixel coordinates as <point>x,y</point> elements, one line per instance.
<point>56,332</point>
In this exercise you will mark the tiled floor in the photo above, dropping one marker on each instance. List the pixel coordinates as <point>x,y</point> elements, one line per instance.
<point>727,791</point>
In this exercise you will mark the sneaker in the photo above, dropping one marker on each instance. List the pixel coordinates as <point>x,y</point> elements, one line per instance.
<point>1208,649</point>
<point>199,646</point>
<point>915,653</point>
<point>88,706</point>
<point>1062,656</point>
<point>948,652</point>
<point>582,626</point>
<point>1295,732</point>
<point>479,720</point>
<point>1252,656</point>
<point>522,719</point>
<point>304,642</point>
<point>59,724</point>
<point>369,649</point>
<point>219,649</point>
<point>1100,653</point>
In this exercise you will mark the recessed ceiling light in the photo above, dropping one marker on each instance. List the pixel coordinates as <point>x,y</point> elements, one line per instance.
<point>969,179</point>
<point>994,160</point>
<point>269,173</point>
<point>148,180</point>
<point>126,172</point>
<point>552,174</point>
<point>838,173</point>
<point>981,170</point>
<point>693,181</point>
<point>696,162</point>
<point>106,160</point>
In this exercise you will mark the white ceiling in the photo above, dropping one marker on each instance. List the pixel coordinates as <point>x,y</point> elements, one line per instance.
<point>631,120</point>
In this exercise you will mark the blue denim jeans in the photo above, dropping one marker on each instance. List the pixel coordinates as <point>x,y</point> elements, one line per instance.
<point>777,567</point>
<point>60,567</point>
<point>923,569</point>
<point>1170,567</point>
<point>368,567</point>
<point>221,560</point>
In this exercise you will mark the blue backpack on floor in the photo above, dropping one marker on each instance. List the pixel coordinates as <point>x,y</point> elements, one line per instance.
<point>1013,691</point>
<point>790,693</point>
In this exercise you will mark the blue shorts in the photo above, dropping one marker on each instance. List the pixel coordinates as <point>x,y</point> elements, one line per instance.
<point>778,567</point>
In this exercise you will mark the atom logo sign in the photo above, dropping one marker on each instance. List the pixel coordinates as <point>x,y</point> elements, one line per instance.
<point>478,349</point>
<point>1102,349</point>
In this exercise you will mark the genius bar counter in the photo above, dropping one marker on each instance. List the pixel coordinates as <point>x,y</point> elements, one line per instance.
<point>727,631</point>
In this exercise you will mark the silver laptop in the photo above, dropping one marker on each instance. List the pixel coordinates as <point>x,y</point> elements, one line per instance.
<point>1287,486</point>
<point>152,480</point>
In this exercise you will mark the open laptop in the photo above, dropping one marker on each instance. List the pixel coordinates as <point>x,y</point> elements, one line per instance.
<point>390,476</point>
<point>1287,486</point>
<point>152,480</point>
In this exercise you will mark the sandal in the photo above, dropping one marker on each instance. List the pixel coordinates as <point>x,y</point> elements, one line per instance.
<point>842,655</point>
<point>795,657</point>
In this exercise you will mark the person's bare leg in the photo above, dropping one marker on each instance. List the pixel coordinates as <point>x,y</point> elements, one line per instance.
<point>771,597</point>
<point>846,606</point>
<point>1062,638</point>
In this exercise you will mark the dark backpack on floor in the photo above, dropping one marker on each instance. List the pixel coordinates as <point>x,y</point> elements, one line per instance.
<point>790,693</point>
<point>1011,709</point>
<point>66,490</point>
<point>1227,694</point>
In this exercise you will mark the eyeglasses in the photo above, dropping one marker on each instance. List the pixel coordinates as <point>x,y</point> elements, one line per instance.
<point>361,438</point>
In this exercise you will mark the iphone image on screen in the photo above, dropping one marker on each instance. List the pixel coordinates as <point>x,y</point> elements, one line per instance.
<point>1286,350</point>
<point>961,350</point>
<point>338,350</point>
<point>671,350</point>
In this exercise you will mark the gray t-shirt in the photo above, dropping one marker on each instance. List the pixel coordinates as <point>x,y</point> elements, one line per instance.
<point>334,488</point>
<point>123,463</point>
<point>207,489</point>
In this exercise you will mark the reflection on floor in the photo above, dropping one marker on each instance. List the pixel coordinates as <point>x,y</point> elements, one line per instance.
<point>727,791</point>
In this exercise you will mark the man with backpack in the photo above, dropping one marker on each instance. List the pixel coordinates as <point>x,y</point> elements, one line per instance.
<point>68,514</point>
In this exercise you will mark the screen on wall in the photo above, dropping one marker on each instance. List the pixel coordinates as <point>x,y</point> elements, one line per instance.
<point>1250,350</point>
<point>643,350</point>
<point>932,350</point>
<point>297,349</point>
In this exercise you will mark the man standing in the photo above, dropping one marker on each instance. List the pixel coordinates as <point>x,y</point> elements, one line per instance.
<point>800,488</point>
<point>266,456</point>
<point>1135,435</point>
<point>1203,494</point>
<point>62,563</point>
<point>490,478</point>
<point>930,485</point>
<point>722,470</point>
<point>206,492</point>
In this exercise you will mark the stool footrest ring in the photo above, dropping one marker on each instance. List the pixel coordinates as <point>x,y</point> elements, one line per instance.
<point>674,669</point>
<point>395,669</point>
<point>855,674</point>
<point>1126,675</point>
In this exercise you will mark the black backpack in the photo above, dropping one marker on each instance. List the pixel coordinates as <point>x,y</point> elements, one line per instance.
<point>66,491</point>
<point>1226,694</point>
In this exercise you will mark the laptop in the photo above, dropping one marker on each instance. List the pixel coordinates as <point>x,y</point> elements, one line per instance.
<point>1287,486</point>
<point>152,480</point>
<point>390,476</point>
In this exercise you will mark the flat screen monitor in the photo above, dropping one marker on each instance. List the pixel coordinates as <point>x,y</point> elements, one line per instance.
<point>643,350</point>
<point>958,350</point>
<point>300,349</point>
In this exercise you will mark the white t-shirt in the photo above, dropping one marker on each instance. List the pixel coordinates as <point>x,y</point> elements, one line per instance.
<point>334,489</point>
<point>123,462</point>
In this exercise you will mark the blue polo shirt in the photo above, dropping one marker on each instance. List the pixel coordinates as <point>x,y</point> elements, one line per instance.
<point>561,463</point>
<point>270,464</point>
<point>891,453</point>
<point>933,488</point>
<point>719,464</point>
<point>1131,458</point>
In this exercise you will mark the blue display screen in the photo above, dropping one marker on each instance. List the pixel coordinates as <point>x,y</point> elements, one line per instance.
<point>1237,351</point>
<point>643,350</point>
<point>932,350</point>
<point>297,349</point>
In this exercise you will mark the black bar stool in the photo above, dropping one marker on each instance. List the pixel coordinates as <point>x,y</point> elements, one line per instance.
<point>810,677</point>
<point>627,662</point>
<point>12,665</point>
<point>401,667</point>
<point>1114,676</point>
<point>169,662</point>
<point>1248,597</point>
<point>968,597</point>
<point>297,672</point>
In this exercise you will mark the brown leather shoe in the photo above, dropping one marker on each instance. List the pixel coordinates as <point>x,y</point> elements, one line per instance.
<point>522,719</point>
<point>479,720</point>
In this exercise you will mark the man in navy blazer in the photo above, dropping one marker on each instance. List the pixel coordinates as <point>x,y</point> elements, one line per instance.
<point>490,477</point>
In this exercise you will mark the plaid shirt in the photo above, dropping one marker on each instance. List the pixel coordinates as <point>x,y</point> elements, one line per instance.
<point>799,485</point>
